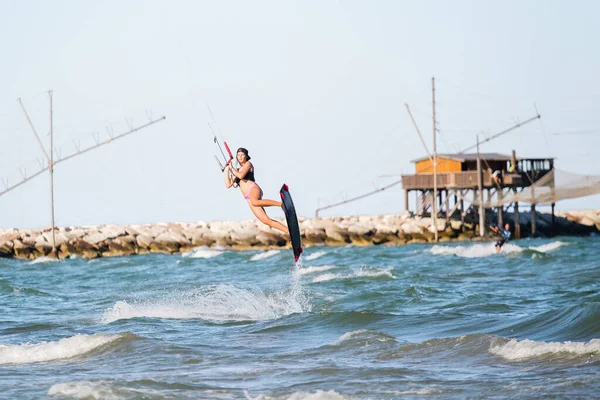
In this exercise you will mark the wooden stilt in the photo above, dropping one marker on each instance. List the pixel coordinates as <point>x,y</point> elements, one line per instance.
<point>501,208</point>
<point>553,222</point>
<point>533,228</point>
<point>517,223</point>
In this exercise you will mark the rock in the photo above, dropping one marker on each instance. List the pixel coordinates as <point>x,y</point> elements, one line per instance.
<point>43,248</point>
<point>164,248</point>
<point>74,234</point>
<point>10,235</point>
<point>143,242</point>
<point>271,239</point>
<point>456,225</point>
<point>66,250</point>
<point>21,250</point>
<point>112,231</point>
<point>116,249</point>
<point>59,238</point>
<point>172,236</point>
<point>361,229</point>
<point>315,235</point>
<point>96,237</point>
<point>126,241</point>
<point>6,248</point>
<point>336,235</point>
<point>410,228</point>
<point>85,249</point>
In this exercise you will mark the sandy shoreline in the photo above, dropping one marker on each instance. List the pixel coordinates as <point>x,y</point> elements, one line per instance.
<point>113,240</point>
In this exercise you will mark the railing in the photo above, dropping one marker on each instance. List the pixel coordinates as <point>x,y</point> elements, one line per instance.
<point>445,180</point>
<point>466,180</point>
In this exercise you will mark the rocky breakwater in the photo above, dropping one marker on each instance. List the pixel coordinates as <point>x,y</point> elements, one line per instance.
<point>169,238</point>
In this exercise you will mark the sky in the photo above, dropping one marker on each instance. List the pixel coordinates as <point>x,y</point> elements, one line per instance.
<point>315,90</point>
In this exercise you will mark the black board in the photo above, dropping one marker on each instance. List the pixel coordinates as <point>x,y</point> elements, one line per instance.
<point>292,221</point>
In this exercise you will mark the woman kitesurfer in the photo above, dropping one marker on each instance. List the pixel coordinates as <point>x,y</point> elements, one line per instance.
<point>244,177</point>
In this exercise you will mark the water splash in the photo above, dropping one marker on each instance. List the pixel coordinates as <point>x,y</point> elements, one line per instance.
<point>489,249</point>
<point>515,350</point>
<point>266,254</point>
<point>364,272</point>
<point>83,390</point>
<point>318,395</point>
<point>214,303</point>
<point>314,269</point>
<point>202,252</point>
<point>52,351</point>
<point>315,255</point>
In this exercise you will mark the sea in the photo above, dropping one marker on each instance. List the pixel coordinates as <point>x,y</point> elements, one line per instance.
<point>419,321</point>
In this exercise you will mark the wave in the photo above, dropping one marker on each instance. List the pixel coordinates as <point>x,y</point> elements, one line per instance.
<point>266,254</point>
<point>365,272</point>
<point>515,350</point>
<point>311,270</point>
<point>42,260</point>
<point>565,323</point>
<point>214,303</point>
<point>365,338</point>
<point>84,390</point>
<point>53,351</point>
<point>318,395</point>
<point>7,287</point>
<point>315,255</point>
<point>202,252</point>
<point>488,249</point>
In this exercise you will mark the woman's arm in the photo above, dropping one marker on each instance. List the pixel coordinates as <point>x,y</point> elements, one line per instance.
<point>241,173</point>
<point>228,180</point>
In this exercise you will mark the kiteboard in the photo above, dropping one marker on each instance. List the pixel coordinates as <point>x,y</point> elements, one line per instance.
<point>292,221</point>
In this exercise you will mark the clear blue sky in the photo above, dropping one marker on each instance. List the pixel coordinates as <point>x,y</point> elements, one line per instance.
<point>314,89</point>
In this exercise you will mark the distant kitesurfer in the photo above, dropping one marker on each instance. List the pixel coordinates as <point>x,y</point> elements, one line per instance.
<point>244,177</point>
<point>504,236</point>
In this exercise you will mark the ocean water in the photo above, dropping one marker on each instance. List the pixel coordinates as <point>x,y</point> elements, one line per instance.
<point>446,321</point>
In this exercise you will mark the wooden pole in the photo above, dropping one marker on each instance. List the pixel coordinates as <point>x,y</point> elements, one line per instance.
<point>462,208</point>
<point>553,222</point>
<point>517,222</point>
<point>501,208</point>
<point>533,230</point>
<point>480,188</point>
<point>434,163</point>
<point>406,207</point>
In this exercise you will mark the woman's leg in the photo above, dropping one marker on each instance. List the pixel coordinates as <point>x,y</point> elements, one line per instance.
<point>262,216</point>
<point>257,201</point>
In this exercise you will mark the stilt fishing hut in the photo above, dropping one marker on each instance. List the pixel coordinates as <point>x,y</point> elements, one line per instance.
<point>477,178</point>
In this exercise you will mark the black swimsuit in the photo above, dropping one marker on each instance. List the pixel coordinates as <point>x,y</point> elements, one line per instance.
<point>249,177</point>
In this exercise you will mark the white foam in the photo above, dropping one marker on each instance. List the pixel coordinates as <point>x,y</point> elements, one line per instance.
<point>525,349</point>
<point>489,249</point>
<point>52,351</point>
<point>215,303</point>
<point>474,251</point>
<point>314,256</point>
<point>311,270</point>
<point>83,390</point>
<point>367,335</point>
<point>548,247</point>
<point>202,252</point>
<point>100,390</point>
<point>318,395</point>
<point>361,273</point>
<point>41,260</point>
<point>266,254</point>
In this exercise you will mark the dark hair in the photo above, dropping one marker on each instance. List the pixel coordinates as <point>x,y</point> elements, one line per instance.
<point>243,150</point>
